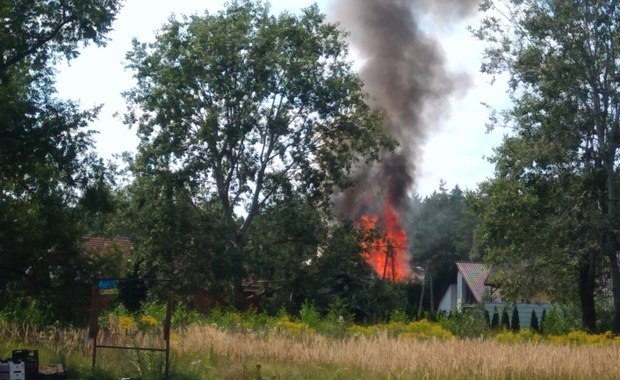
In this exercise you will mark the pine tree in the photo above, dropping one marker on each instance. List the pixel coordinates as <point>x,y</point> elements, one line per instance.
<point>516,323</point>
<point>505,324</point>
<point>495,320</point>
<point>534,322</point>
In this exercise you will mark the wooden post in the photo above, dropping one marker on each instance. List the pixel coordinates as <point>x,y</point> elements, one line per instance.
<point>167,324</point>
<point>430,286</point>
<point>93,329</point>
<point>422,292</point>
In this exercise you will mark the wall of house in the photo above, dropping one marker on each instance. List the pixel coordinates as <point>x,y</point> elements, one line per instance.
<point>448,301</point>
<point>524,310</point>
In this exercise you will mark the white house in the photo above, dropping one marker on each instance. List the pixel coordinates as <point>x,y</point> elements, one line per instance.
<point>467,286</point>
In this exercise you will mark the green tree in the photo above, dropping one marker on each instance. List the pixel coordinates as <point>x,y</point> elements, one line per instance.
<point>38,31</point>
<point>441,229</point>
<point>495,320</point>
<point>505,321</point>
<point>515,323</point>
<point>45,159</point>
<point>534,325</point>
<point>560,164</point>
<point>242,108</point>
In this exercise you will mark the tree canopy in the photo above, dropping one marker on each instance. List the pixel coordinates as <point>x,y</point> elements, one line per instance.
<point>244,111</point>
<point>552,206</point>
<point>45,159</point>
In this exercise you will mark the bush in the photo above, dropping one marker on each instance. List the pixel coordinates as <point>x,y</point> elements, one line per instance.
<point>561,320</point>
<point>577,338</point>
<point>287,326</point>
<point>518,337</point>
<point>470,323</point>
<point>424,330</point>
<point>309,314</point>
<point>534,322</point>
<point>398,315</point>
<point>26,310</point>
<point>505,323</point>
<point>515,323</point>
<point>495,320</point>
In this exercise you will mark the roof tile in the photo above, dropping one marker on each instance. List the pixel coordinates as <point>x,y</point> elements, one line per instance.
<point>475,274</point>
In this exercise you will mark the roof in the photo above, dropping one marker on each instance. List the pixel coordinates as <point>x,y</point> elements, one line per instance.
<point>107,245</point>
<point>475,275</point>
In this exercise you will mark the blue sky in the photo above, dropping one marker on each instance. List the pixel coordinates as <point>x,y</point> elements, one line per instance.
<point>453,150</point>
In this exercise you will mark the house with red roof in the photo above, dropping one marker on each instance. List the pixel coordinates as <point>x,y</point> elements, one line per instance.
<point>107,245</point>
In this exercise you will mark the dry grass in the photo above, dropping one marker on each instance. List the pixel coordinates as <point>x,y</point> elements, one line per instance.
<point>208,352</point>
<point>405,358</point>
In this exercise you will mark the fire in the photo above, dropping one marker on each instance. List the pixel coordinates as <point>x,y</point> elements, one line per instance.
<point>385,244</point>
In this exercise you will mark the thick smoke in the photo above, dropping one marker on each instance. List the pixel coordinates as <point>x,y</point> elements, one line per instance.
<point>404,71</point>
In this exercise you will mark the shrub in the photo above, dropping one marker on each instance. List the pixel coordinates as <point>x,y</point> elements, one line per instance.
<point>515,323</point>
<point>309,314</point>
<point>521,336</point>
<point>230,319</point>
<point>358,330</point>
<point>561,320</point>
<point>577,338</point>
<point>469,323</point>
<point>29,311</point>
<point>534,322</point>
<point>505,323</point>
<point>424,330</point>
<point>398,315</point>
<point>285,325</point>
<point>495,320</point>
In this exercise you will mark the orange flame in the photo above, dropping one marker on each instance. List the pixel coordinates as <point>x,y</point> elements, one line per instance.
<point>384,246</point>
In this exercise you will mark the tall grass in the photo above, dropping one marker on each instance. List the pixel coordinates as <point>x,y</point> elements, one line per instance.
<point>383,356</point>
<point>208,351</point>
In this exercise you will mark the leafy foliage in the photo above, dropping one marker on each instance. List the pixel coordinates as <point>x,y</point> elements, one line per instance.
<point>441,227</point>
<point>534,325</point>
<point>45,161</point>
<point>471,323</point>
<point>247,121</point>
<point>515,323</point>
<point>495,320</point>
<point>40,31</point>
<point>505,321</point>
<point>549,216</point>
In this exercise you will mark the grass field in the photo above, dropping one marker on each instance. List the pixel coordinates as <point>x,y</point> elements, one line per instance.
<point>204,351</point>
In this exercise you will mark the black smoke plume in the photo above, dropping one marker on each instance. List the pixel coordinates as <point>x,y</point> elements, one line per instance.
<point>404,71</point>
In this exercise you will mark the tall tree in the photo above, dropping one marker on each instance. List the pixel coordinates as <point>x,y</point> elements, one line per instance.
<point>45,163</point>
<point>563,59</point>
<point>441,231</point>
<point>241,107</point>
<point>37,31</point>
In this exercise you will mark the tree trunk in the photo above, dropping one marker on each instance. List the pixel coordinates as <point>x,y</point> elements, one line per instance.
<point>587,264</point>
<point>615,281</point>
<point>611,239</point>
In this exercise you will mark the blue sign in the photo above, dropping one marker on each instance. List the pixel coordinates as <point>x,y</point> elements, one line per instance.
<point>107,286</point>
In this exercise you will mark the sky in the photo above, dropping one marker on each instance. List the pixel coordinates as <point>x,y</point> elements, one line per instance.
<point>454,150</point>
